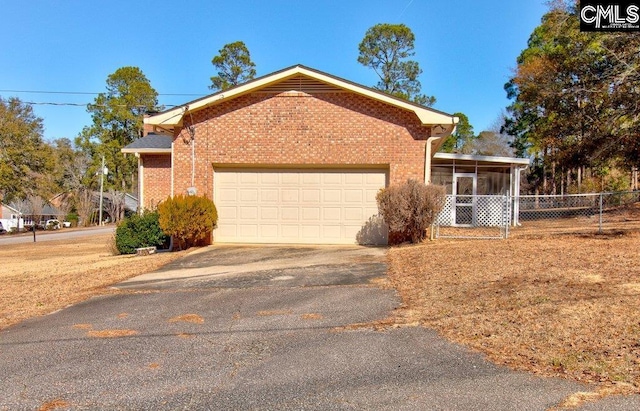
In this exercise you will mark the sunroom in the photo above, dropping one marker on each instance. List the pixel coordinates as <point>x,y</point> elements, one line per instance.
<point>481,190</point>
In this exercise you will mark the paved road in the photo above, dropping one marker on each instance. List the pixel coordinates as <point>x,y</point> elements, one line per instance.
<point>244,328</point>
<point>63,234</point>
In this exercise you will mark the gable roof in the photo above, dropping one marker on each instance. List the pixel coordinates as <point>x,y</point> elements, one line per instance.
<point>293,78</point>
<point>152,143</point>
<point>9,208</point>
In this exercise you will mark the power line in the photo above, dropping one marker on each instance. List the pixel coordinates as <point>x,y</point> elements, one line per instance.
<point>47,103</point>
<point>92,93</point>
<point>54,104</point>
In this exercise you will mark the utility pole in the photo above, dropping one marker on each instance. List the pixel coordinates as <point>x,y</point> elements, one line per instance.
<point>103,171</point>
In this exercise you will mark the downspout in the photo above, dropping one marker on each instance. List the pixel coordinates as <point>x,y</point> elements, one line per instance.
<point>140,183</point>
<point>193,159</point>
<point>192,133</point>
<point>172,163</point>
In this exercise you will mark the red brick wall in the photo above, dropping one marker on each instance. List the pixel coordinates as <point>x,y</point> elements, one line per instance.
<point>336,129</point>
<point>157,179</point>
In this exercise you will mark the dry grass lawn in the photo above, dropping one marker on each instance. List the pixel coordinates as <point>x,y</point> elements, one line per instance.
<point>555,305</point>
<point>42,277</point>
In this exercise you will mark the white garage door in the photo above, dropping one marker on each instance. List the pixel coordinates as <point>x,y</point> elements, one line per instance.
<point>298,206</point>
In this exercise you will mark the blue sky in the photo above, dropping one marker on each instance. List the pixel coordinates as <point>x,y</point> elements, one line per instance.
<point>466,48</point>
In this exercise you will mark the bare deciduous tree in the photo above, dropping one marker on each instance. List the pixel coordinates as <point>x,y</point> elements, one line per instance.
<point>37,205</point>
<point>115,206</point>
<point>85,205</point>
<point>65,206</point>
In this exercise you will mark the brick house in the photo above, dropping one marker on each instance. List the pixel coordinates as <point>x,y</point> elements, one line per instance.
<point>296,156</point>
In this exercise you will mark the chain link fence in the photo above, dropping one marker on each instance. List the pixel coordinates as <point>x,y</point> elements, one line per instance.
<point>578,213</point>
<point>486,217</point>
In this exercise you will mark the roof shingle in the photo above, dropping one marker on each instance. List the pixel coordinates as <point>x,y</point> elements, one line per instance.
<point>150,143</point>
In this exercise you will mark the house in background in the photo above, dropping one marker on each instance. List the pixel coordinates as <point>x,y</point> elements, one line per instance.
<point>10,217</point>
<point>296,156</point>
<point>57,203</point>
<point>14,219</point>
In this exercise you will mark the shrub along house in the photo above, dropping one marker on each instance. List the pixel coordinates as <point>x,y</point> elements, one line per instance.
<point>296,156</point>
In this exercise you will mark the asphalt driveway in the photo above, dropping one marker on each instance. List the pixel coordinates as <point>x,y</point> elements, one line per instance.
<point>255,328</point>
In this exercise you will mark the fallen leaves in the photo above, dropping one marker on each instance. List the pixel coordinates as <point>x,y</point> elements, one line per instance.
<point>188,318</point>
<point>54,404</point>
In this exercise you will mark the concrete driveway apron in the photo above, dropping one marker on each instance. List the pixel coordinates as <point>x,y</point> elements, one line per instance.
<point>243,327</point>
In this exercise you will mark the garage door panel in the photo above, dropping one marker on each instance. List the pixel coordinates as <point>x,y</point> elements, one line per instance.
<point>248,213</point>
<point>269,213</point>
<point>290,231</point>
<point>311,232</point>
<point>370,196</point>
<point>353,214</point>
<point>331,232</point>
<point>269,195</point>
<point>312,178</point>
<point>353,179</point>
<point>331,196</point>
<point>331,179</point>
<point>289,214</point>
<point>376,179</point>
<point>229,212</point>
<point>248,178</point>
<point>332,213</point>
<point>227,231</point>
<point>269,231</point>
<point>311,195</point>
<point>228,194</point>
<point>311,213</point>
<point>352,230</point>
<point>295,206</point>
<point>269,178</point>
<point>249,231</point>
<point>246,194</point>
<point>291,179</point>
<point>353,196</point>
<point>289,195</point>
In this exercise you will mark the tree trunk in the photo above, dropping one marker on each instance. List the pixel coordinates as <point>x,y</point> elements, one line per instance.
<point>553,177</point>
<point>579,179</point>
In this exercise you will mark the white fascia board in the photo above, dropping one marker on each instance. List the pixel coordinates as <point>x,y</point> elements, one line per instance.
<point>472,157</point>
<point>146,150</point>
<point>427,116</point>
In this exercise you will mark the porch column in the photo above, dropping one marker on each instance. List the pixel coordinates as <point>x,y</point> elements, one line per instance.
<point>427,160</point>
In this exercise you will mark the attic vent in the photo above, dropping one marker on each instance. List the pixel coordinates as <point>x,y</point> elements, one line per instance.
<point>301,83</point>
